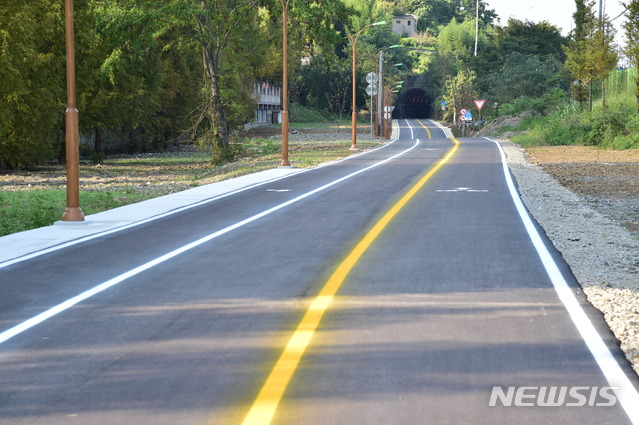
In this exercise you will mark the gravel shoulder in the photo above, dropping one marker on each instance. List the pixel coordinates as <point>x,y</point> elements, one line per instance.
<point>587,202</point>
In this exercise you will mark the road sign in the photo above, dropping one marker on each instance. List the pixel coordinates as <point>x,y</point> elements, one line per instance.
<point>468,116</point>
<point>389,108</point>
<point>479,104</point>
<point>462,114</point>
<point>371,78</point>
<point>371,90</point>
<point>387,115</point>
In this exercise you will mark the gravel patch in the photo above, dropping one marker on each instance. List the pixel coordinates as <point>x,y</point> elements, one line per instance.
<point>603,256</point>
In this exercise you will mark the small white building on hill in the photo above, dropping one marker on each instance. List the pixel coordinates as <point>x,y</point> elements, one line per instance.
<point>404,25</point>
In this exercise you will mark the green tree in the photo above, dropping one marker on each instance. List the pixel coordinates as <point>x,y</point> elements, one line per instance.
<point>524,75</point>
<point>602,54</point>
<point>631,27</point>
<point>433,14</point>
<point>590,55</point>
<point>531,38</point>
<point>460,91</point>
<point>576,51</point>
<point>32,72</point>
<point>123,88</point>
<point>228,35</point>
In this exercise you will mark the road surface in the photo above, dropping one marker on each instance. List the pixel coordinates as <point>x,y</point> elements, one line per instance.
<point>402,286</point>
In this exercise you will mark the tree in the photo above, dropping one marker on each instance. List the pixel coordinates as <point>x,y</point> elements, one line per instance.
<point>33,81</point>
<point>576,55</point>
<point>590,55</point>
<point>632,35</point>
<point>126,81</point>
<point>602,55</point>
<point>524,75</point>
<point>459,91</point>
<point>433,14</point>
<point>531,38</point>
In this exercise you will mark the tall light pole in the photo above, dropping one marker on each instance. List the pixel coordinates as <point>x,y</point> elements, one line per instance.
<point>73,212</point>
<point>380,74</point>
<point>476,26</point>
<point>284,162</point>
<point>354,120</point>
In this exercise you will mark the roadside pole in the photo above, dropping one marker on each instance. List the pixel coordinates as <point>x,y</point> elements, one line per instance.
<point>371,90</point>
<point>73,212</point>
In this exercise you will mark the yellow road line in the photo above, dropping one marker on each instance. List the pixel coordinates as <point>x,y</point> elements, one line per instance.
<point>427,130</point>
<point>263,409</point>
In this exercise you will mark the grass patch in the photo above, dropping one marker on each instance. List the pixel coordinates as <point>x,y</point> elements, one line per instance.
<point>29,209</point>
<point>121,181</point>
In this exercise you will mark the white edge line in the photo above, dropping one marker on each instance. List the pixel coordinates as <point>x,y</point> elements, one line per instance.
<point>82,239</point>
<point>447,131</point>
<point>412,135</point>
<point>616,377</point>
<point>28,324</point>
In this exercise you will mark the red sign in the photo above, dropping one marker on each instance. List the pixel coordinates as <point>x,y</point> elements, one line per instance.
<point>479,104</point>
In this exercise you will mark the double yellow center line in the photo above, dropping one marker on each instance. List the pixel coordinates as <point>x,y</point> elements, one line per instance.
<point>263,409</point>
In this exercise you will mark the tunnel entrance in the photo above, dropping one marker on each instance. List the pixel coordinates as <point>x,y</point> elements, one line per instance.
<point>415,103</point>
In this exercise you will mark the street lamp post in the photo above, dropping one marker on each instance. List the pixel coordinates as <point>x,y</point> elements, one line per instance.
<point>73,212</point>
<point>354,106</point>
<point>381,76</point>
<point>476,26</point>
<point>285,162</point>
<point>380,73</point>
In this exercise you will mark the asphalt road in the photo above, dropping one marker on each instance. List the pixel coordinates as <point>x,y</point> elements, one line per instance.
<point>401,286</point>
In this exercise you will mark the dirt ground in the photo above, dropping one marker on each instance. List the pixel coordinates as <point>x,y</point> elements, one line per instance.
<point>608,180</point>
<point>158,174</point>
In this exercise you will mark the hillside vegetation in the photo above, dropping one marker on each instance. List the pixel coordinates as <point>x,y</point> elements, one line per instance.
<point>154,76</point>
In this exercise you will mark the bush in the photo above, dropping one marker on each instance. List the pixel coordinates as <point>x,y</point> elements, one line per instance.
<point>544,105</point>
<point>564,127</point>
<point>615,127</point>
<point>299,113</point>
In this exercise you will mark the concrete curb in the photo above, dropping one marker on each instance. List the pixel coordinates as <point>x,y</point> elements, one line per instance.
<point>31,241</point>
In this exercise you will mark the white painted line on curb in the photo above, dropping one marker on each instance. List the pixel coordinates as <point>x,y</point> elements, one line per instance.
<point>28,324</point>
<point>616,377</point>
<point>447,131</point>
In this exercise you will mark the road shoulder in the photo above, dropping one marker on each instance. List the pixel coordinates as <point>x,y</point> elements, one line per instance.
<point>602,255</point>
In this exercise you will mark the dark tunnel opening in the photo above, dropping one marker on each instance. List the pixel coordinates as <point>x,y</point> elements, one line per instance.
<point>415,103</point>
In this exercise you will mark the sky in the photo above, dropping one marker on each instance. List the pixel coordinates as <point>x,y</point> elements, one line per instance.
<point>557,12</point>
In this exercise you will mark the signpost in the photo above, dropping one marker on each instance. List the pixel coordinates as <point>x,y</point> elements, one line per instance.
<point>388,114</point>
<point>468,116</point>
<point>371,90</point>
<point>479,104</point>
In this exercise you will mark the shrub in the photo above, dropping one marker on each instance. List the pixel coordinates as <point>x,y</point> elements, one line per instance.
<point>547,103</point>
<point>300,113</point>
